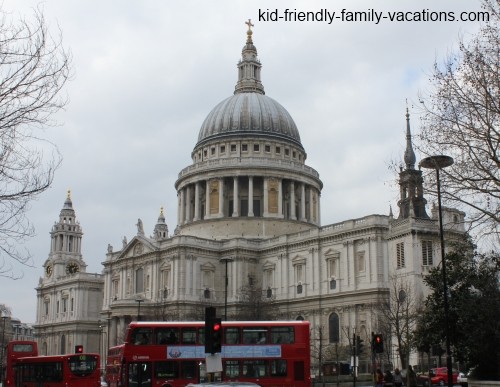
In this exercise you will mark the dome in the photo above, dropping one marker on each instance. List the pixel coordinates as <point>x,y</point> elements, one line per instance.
<point>249,114</point>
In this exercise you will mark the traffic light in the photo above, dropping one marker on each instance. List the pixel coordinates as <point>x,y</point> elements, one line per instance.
<point>378,343</point>
<point>359,346</point>
<point>217,335</point>
<point>209,327</point>
<point>78,348</point>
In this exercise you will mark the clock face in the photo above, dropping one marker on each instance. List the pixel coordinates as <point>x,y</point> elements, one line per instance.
<point>72,268</point>
<point>48,270</point>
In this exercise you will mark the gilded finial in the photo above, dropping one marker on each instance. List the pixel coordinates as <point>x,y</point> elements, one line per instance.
<point>161,211</point>
<point>249,32</point>
<point>69,194</point>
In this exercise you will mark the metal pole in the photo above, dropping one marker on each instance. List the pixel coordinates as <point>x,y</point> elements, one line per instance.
<point>445,285</point>
<point>437,163</point>
<point>225,294</point>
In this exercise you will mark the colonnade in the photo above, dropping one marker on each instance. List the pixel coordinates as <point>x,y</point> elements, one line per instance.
<point>248,196</point>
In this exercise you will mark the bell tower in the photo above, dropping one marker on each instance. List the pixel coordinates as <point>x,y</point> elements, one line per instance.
<point>412,202</point>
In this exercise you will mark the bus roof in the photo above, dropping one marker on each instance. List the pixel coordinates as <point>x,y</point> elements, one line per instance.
<point>224,323</point>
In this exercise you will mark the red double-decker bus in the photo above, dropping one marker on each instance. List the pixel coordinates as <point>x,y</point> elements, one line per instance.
<point>75,370</point>
<point>172,354</point>
<point>114,361</point>
<point>13,351</point>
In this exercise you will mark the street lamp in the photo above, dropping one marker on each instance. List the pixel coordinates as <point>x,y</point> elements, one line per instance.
<point>226,260</point>
<point>139,300</point>
<point>439,162</point>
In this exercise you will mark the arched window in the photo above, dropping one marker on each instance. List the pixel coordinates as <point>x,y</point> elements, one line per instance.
<point>333,328</point>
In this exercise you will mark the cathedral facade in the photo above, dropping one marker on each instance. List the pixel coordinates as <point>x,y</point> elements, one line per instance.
<point>249,216</point>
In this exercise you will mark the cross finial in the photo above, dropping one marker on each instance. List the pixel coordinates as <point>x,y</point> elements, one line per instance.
<point>249,24</point>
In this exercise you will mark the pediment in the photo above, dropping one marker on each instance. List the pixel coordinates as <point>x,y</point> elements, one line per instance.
<point>298,260</point>
<point>269,266</point>
<point>332,253</point>
<point>207,267</point>
<point>139,245</point>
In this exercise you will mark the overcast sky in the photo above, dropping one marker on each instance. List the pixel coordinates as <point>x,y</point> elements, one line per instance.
<point>147,72</point>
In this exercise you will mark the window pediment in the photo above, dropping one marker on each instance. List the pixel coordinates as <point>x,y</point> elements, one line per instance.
<point>298,260</point>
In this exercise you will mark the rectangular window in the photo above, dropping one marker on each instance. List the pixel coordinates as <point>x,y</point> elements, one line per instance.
<point>287,152</point>
<point>268,148</point>
<point>244,147</point>
<point>232,368</point>
<point>331,268</point>
<point>232,335</point>
<point>427,253</point>
<point>212,151</point>
<point>278,150</point>
<point>361,262</point>
<point>233,147</point>
<point>65,305</point>
<point>222,149</point>
<point>282,335</point>
<point>400,255</point>
<point>256,147</point>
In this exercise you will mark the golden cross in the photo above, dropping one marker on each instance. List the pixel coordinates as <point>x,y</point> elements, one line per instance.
<point>249,24</point>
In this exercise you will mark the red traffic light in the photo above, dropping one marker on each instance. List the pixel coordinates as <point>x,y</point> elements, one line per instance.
<point>217,327</point>
<point>378,339</point>
<point>78,348</point>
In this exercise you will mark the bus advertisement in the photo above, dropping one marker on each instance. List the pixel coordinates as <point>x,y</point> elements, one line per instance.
<point>75,370</point>
<point>172,354</point>
<point>14,350</point>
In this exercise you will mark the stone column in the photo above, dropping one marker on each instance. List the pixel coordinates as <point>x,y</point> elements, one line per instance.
<point>292,201</point>
<point>196,201</point>
<point>221,198</point>
<point>303,202</point>
<point>265,212</point>
<point>235,196</point>
<point>280,198</point>
<point>207,200</point>
<point>183,207</point>
<point>188,203</point>
<point>250,196</point>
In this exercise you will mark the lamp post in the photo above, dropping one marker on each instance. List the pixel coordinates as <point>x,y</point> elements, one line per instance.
<point>439,162</point>
<point>139,300</point>
<point>226,282</point>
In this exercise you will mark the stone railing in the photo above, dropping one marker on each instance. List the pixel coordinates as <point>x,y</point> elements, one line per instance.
<point>240,162</point>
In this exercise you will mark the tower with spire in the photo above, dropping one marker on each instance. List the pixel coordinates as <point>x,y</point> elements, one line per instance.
<point>68,298</point>
<point>412,202</point>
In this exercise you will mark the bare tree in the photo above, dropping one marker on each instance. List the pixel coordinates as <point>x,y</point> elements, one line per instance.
<point>256,304</point>
<point>33,69</point>
<point>461,118</point>
<point>399,314</point>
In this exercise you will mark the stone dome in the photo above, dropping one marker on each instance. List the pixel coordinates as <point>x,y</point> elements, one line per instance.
<point>249,114</point>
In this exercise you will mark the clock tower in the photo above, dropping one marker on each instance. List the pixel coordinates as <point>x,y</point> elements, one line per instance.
<point>68,298</point>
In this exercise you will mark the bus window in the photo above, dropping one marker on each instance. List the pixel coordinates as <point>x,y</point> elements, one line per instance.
<point>232,336</point>
<point>189,336</point>
<point>201,335</point>
<point>139,374</point>
<point>278,368</point>
<point>254,368</point>
<point>167,336</point>
<point>232,368</point>
<point>188,369</point>
<point>282,335</point>
<point>142,336</point>
<point>166,370</point>
<point>254,335</point>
